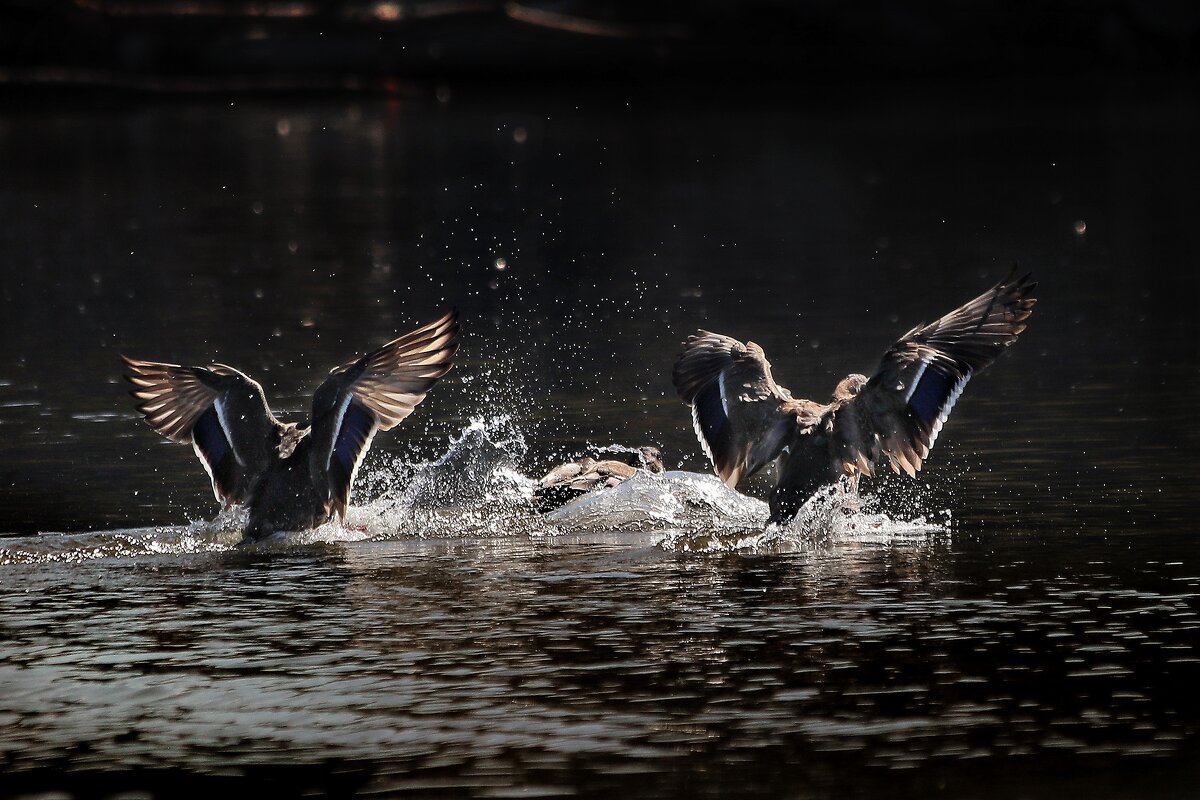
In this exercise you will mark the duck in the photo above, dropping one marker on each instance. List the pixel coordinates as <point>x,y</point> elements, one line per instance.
<point>744,420</point>
<point>291,477</point>
<point>573,479</point>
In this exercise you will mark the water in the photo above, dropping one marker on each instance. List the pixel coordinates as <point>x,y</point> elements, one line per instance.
<point>1020,621</point>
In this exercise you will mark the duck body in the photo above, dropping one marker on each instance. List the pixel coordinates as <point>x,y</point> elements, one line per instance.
<point>287,496</point>
<point>745,420</point>
<point>804,469</point>
<point>290,477</point>
<point>576,478</point>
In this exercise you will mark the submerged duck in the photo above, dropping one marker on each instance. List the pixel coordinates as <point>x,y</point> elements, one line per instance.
<point>290,477</point>
<point>575,478</point>
<point>744,419</point>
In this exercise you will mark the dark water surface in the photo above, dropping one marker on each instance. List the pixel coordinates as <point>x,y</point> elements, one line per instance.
<point>1040,640</point>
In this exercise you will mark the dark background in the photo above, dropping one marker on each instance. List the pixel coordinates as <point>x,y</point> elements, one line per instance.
<point>282,185</point>
<point>170,45</point>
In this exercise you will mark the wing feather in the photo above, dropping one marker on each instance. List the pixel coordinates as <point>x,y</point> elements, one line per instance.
<point>375,393</point>
<point>189,405</point>
<point>742,418</point>
<point>897,416</point>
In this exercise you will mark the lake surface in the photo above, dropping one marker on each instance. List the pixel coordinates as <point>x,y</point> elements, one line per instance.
<point>1020,621</point>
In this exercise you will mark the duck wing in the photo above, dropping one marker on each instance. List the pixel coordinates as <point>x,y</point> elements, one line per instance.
<point>740,414</point>
<point>219,411</point>
<point>374,393</point>
<point>900,410</point>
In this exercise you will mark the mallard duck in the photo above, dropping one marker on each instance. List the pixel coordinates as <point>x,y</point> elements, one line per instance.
<point>744,419</point>
<point>575,478</point>
<point>291,477</point>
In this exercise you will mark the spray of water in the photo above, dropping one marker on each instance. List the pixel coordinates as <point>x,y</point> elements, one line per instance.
<point>831,515</point>
<point>476,489</point>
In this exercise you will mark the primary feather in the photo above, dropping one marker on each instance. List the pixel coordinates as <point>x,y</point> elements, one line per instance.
<point>743,419</point>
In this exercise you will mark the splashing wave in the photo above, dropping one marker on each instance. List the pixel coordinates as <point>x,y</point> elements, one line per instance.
<point>475,489</point>
<point>826,517</point>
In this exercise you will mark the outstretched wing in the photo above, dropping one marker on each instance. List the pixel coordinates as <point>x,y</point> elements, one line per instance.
<point>738,410</point>
<point>898,414</point>
<point>374,393</point>
<point>216,409</point>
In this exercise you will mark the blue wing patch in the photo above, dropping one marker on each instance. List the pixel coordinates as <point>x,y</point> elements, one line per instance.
<point>212,445</point>
<point>710,412</point>
<point>209,437</point>
<point>355,430</point>
<point>356,427</point>
<point>931,393</point>
<point>712,424</point>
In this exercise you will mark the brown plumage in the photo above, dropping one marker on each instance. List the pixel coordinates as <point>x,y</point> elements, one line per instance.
<point>291,477</point>
<point>575,478</point>
<point>744,419</point>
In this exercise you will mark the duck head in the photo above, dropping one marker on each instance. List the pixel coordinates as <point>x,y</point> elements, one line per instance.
<point>289,437</point>
<point>651,459</point>
<point>849,386</point>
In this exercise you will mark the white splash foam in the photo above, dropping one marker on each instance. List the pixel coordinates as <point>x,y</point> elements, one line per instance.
<point>672,499</point>
<point>476,490</point>
<point>473,489</point>
<point>829,517</point>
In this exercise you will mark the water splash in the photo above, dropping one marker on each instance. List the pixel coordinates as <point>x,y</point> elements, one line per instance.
<point>476,489</point>
<point>223,532</point>
<point>829,516</point>
<point>672,499</point>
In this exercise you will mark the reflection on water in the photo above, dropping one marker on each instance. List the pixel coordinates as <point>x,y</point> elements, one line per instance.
<point>600,661</point>
<point>1020,621</point>
<point>508,654</point>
